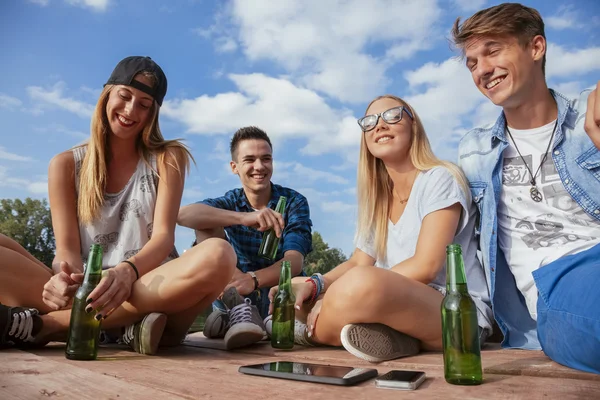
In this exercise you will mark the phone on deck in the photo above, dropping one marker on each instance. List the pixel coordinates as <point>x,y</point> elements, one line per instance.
<point>331,374</point>
<point>405,380</point>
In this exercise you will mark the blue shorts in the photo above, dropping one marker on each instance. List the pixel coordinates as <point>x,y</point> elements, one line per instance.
<point>568,310</point>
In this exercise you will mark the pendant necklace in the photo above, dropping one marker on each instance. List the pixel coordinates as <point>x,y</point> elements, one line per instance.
<point>533,190</point>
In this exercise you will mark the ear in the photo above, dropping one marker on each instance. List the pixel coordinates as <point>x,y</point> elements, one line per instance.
<point>233,166</point>
<point>538,48</point>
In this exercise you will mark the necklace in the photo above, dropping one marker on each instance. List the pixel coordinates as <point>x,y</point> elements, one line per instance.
<point>533,190</point>
<point>403,201</point>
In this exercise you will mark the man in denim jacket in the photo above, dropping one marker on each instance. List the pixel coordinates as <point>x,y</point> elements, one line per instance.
<point>535,176</point>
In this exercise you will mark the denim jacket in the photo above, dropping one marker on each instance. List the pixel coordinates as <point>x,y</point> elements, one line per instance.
<point>577,161</point>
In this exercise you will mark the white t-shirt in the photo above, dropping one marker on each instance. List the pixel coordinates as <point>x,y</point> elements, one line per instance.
<point>533,234</point>
<point>434,190</point>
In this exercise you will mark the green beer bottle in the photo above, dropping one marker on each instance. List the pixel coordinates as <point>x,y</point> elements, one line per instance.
<point>284,314</point>
<point>460,332</point>
<point>270,241</point>
<point>84,329</point>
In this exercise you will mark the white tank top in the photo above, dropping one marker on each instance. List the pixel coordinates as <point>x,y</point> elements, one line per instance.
<point>126,218</point>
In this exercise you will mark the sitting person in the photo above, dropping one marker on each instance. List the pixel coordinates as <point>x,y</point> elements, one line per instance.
<point>535,176</point>
<point>241,216</point>
<point>122,190</point>
<point>385,301</point>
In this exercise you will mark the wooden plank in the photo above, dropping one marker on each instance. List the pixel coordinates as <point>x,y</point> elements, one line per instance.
<point>208,373</point>
<point>27,376</point>
<point>494,359</point>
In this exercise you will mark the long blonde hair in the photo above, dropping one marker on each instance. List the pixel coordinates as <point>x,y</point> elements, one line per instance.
<point>93,175</point>
<point>374,185</point>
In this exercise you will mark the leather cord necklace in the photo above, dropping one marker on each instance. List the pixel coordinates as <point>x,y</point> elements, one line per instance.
<point>533,191</point>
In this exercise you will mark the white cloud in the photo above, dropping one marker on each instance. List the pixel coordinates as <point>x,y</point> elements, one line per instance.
<point>566,62</point>
<point>192,193</point>
<point>5,155</point>
<point>279,107</point>
<point>301,173</point>
<point>55,97</point>
<point>570,89</point>
<point>469,5</point>
<point>225,45</point>
<point>95,5</point>
<point>9,102</point>
<point>34,187</point>
<point>338,207</point>
<point>325,45</point>
<point>565,18</point>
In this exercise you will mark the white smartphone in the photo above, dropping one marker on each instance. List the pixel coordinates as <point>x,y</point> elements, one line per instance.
<point>404,380</point>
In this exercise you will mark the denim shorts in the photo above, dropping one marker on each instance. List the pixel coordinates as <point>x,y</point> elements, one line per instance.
<point>568,310</point>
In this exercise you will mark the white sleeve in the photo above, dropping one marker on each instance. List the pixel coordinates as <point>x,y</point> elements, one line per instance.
<point>441,190</point>
<point>364,242</point>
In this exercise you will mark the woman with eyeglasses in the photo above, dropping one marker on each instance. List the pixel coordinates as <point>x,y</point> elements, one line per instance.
<point>384,302</point>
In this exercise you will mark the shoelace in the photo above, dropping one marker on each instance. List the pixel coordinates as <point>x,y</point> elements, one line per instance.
<point>129,334</point>
<point>240,313</point>
<point>300,332</point>
<point>22,325</point>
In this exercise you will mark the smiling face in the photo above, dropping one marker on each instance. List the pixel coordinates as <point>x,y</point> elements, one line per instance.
<point>128,109</point>
<point>504,70</point>
<point>254,165</point>
<point>389,141</point>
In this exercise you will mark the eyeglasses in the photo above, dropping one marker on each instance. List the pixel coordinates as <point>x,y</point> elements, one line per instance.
<point>391,116</point>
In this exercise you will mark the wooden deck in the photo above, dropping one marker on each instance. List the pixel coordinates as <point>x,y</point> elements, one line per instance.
<point>193,371</point>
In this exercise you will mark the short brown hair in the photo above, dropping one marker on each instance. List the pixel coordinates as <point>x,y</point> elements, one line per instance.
<point>507,19</point>
<point>247,133</point>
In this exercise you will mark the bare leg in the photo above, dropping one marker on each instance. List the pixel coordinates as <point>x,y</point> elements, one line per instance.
<point>22,277</point>
<point>180,288</point>
<point>375,295</point>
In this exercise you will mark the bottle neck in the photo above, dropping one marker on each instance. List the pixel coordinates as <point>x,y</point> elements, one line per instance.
<point>280,208</point>
<point>456,280</point>
<point>94,263</point>
<point>285,279</point>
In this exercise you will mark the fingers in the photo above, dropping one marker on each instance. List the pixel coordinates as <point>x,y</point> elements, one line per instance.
<point>596,106</point>
<point>271,296</point>
<point>54,302</point>
<point>105,283</point>
<point>119,296</point>
<point>64,267</point>
<point>77,278</point>
<point>592,116</point>
<point>268,219</point>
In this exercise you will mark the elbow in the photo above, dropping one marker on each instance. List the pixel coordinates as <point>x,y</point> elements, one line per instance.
<point>184,215</point>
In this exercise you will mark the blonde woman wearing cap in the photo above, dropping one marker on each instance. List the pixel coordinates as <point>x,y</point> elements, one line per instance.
<point>121,189</point>
<point>384,302</point>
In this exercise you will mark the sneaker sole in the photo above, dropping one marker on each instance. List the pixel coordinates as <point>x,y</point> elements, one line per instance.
<point>153,326</point>
<point>213,328</point>
<point>243,334</point>
<point>377,342</point>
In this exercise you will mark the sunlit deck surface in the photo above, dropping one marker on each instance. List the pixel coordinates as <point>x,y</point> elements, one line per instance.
<point>197,371</point>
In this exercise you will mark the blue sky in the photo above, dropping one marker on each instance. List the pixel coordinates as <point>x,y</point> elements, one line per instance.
<point>301,70</point>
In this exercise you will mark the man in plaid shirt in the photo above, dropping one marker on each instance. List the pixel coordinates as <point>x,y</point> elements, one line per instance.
<point>241,216</point>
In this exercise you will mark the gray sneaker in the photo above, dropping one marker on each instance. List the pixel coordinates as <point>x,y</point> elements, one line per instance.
<point>377,342</point>
<point>300,331</point>
<point>245,326</point>
<point>216,324</point>
<point>144,336</point>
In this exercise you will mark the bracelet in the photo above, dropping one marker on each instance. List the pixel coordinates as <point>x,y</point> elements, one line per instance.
<point>253,275</point>
<point>313,295</point>
<point>137,274</point>
<point>319,280</point>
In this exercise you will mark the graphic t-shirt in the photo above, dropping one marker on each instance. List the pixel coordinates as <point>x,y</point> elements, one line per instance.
<point>533,234</point>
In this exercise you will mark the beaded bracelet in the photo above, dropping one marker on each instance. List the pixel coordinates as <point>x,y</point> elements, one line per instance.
<point>313,295</point>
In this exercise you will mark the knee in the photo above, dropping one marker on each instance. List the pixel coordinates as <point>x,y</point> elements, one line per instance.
<point>359,287</point>
<point>214,257</point>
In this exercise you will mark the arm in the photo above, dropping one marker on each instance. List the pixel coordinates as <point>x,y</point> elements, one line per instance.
<point>437,231</point>
<point>592,116</point>
<point>219,214</point>
<point>63,208</point>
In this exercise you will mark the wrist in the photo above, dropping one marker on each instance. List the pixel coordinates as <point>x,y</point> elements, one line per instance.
<point>254,279</point>
<point>129,272</point>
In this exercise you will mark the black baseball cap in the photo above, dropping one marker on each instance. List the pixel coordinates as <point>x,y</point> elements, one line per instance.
<point>129,67</point>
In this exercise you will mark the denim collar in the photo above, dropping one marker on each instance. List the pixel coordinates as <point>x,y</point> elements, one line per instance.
<point>566,115</point>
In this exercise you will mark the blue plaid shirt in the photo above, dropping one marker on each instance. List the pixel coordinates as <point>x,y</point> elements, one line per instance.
<point>246,240</point>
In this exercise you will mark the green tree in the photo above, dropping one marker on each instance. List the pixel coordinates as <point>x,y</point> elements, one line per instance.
<point>323,258</point>
<point>29,223</point>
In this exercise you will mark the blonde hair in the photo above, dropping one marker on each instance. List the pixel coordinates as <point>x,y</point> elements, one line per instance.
<point>93,175</point>
<point>374,185</point>
<point>507,19</point>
